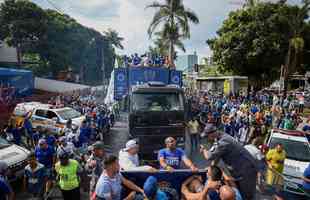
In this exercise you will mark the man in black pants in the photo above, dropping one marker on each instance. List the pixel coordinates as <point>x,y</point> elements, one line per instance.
<point>68,171</point>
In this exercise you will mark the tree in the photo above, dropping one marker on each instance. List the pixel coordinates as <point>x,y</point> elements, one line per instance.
<point>296,46</point>
<point>22,24</point>
<point>173,19</point>
<point>69,44</point>
<point>114,38</point>
<point>254,41</point>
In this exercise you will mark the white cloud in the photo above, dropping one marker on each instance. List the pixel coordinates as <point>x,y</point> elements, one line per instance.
<point>131,20</point>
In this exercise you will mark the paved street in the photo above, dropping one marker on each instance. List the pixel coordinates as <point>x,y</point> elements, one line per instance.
<point>116,140</point>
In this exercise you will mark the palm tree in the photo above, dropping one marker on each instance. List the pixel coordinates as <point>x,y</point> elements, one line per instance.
<point>174,20</point>
<point>114,38</point>
<point>296,41</point>
<point>162,43</point>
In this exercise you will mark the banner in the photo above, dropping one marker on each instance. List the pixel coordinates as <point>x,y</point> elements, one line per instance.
<point>176,77</point>
<point>168,181</point>
<point>139,75</point>
<point>120,83</point>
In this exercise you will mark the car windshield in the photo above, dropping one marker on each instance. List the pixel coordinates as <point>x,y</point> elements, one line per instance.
<point>69,113</point>
<point>157,102</point>
<point>295,150</point>
<point>19,112</point>
<point>3,143</point>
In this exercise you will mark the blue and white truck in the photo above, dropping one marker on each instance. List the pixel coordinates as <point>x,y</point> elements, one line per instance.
<point>156,105</point>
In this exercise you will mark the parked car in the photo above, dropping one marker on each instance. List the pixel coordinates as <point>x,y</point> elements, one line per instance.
<point>15,156</point>
<point>297,147</point>
<point>46,116</point>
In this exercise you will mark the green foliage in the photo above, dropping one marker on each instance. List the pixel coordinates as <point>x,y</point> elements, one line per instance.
<point>21,22</point>
<point>254,41</point>
<point>56,42</point>
<point>113,37</point>
<point>173,20</point>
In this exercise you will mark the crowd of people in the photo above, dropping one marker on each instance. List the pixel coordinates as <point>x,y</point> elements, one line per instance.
<point>7,95</point>
<point>146,60</point>
<point>235,128</point>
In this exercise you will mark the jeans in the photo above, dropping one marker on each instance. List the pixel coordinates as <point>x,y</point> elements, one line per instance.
<point>194,141</point>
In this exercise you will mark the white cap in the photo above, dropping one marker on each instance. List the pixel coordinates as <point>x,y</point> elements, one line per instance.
<point>131,144</point>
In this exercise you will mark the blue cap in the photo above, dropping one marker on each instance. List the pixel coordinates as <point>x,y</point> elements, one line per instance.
<point>150,187</point>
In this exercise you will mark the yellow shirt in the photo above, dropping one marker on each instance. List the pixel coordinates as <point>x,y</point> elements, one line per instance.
<point>276,159</point>
<point>68,175</point>
<point>193,127</point>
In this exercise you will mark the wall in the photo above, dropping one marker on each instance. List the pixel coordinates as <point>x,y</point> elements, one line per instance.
<point>7,54</point>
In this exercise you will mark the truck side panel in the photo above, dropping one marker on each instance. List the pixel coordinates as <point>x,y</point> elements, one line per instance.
<point>125,78</point>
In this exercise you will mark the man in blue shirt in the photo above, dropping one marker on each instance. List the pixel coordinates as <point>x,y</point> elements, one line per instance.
<point>28,128</point>
<point>46,156</point>
<point>6,192</point>
<point>171,157</point>
<point>151,190</point>
<point>84,135</point>
<point>34,177</point>
<point>306,180</point>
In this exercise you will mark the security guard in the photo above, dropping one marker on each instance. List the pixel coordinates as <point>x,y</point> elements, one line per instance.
<point>68,171</point>
<point>239,162</point>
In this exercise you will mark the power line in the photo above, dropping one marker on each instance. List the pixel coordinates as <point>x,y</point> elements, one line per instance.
<point>55,7</point>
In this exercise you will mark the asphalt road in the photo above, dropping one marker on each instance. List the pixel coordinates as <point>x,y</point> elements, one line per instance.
<point>116,140</point>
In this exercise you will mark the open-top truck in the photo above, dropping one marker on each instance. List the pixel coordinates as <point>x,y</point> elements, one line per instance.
<point>156,106</point>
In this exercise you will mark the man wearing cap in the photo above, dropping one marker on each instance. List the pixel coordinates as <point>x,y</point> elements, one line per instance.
<point>129,160</point>
<point>68,171</point>
<point>46,156</point>
<point>6,192</point>
<point>67,146</point>
<point>171,157</point>
<point>239,162</point>
<point>94,164</point>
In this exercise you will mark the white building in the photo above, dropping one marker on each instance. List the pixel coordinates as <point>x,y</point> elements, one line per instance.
<point>7,54</point>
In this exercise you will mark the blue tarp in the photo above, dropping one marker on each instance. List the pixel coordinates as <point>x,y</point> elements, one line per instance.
<point>21,80</point>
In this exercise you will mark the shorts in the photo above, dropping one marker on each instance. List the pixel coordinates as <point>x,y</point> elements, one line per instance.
<point>50,174</point>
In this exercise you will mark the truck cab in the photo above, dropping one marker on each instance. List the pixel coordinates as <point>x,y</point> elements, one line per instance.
<point>156,111</point>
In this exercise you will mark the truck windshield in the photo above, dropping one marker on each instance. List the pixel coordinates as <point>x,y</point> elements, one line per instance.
<point>295,150</point>
<point>69,114</point>
<point>157,102</point>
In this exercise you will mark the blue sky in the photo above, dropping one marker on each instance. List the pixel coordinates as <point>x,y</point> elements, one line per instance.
<point>131,19</point>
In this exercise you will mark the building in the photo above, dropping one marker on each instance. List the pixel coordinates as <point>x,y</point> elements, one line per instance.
<point>223,84</point>
<point>186,62</point>
<point>8,55</point>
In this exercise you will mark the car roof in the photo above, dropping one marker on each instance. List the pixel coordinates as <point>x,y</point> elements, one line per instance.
<point>295,135</point>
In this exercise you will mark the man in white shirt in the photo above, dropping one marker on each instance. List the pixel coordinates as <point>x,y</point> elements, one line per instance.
<point>129,160</point>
